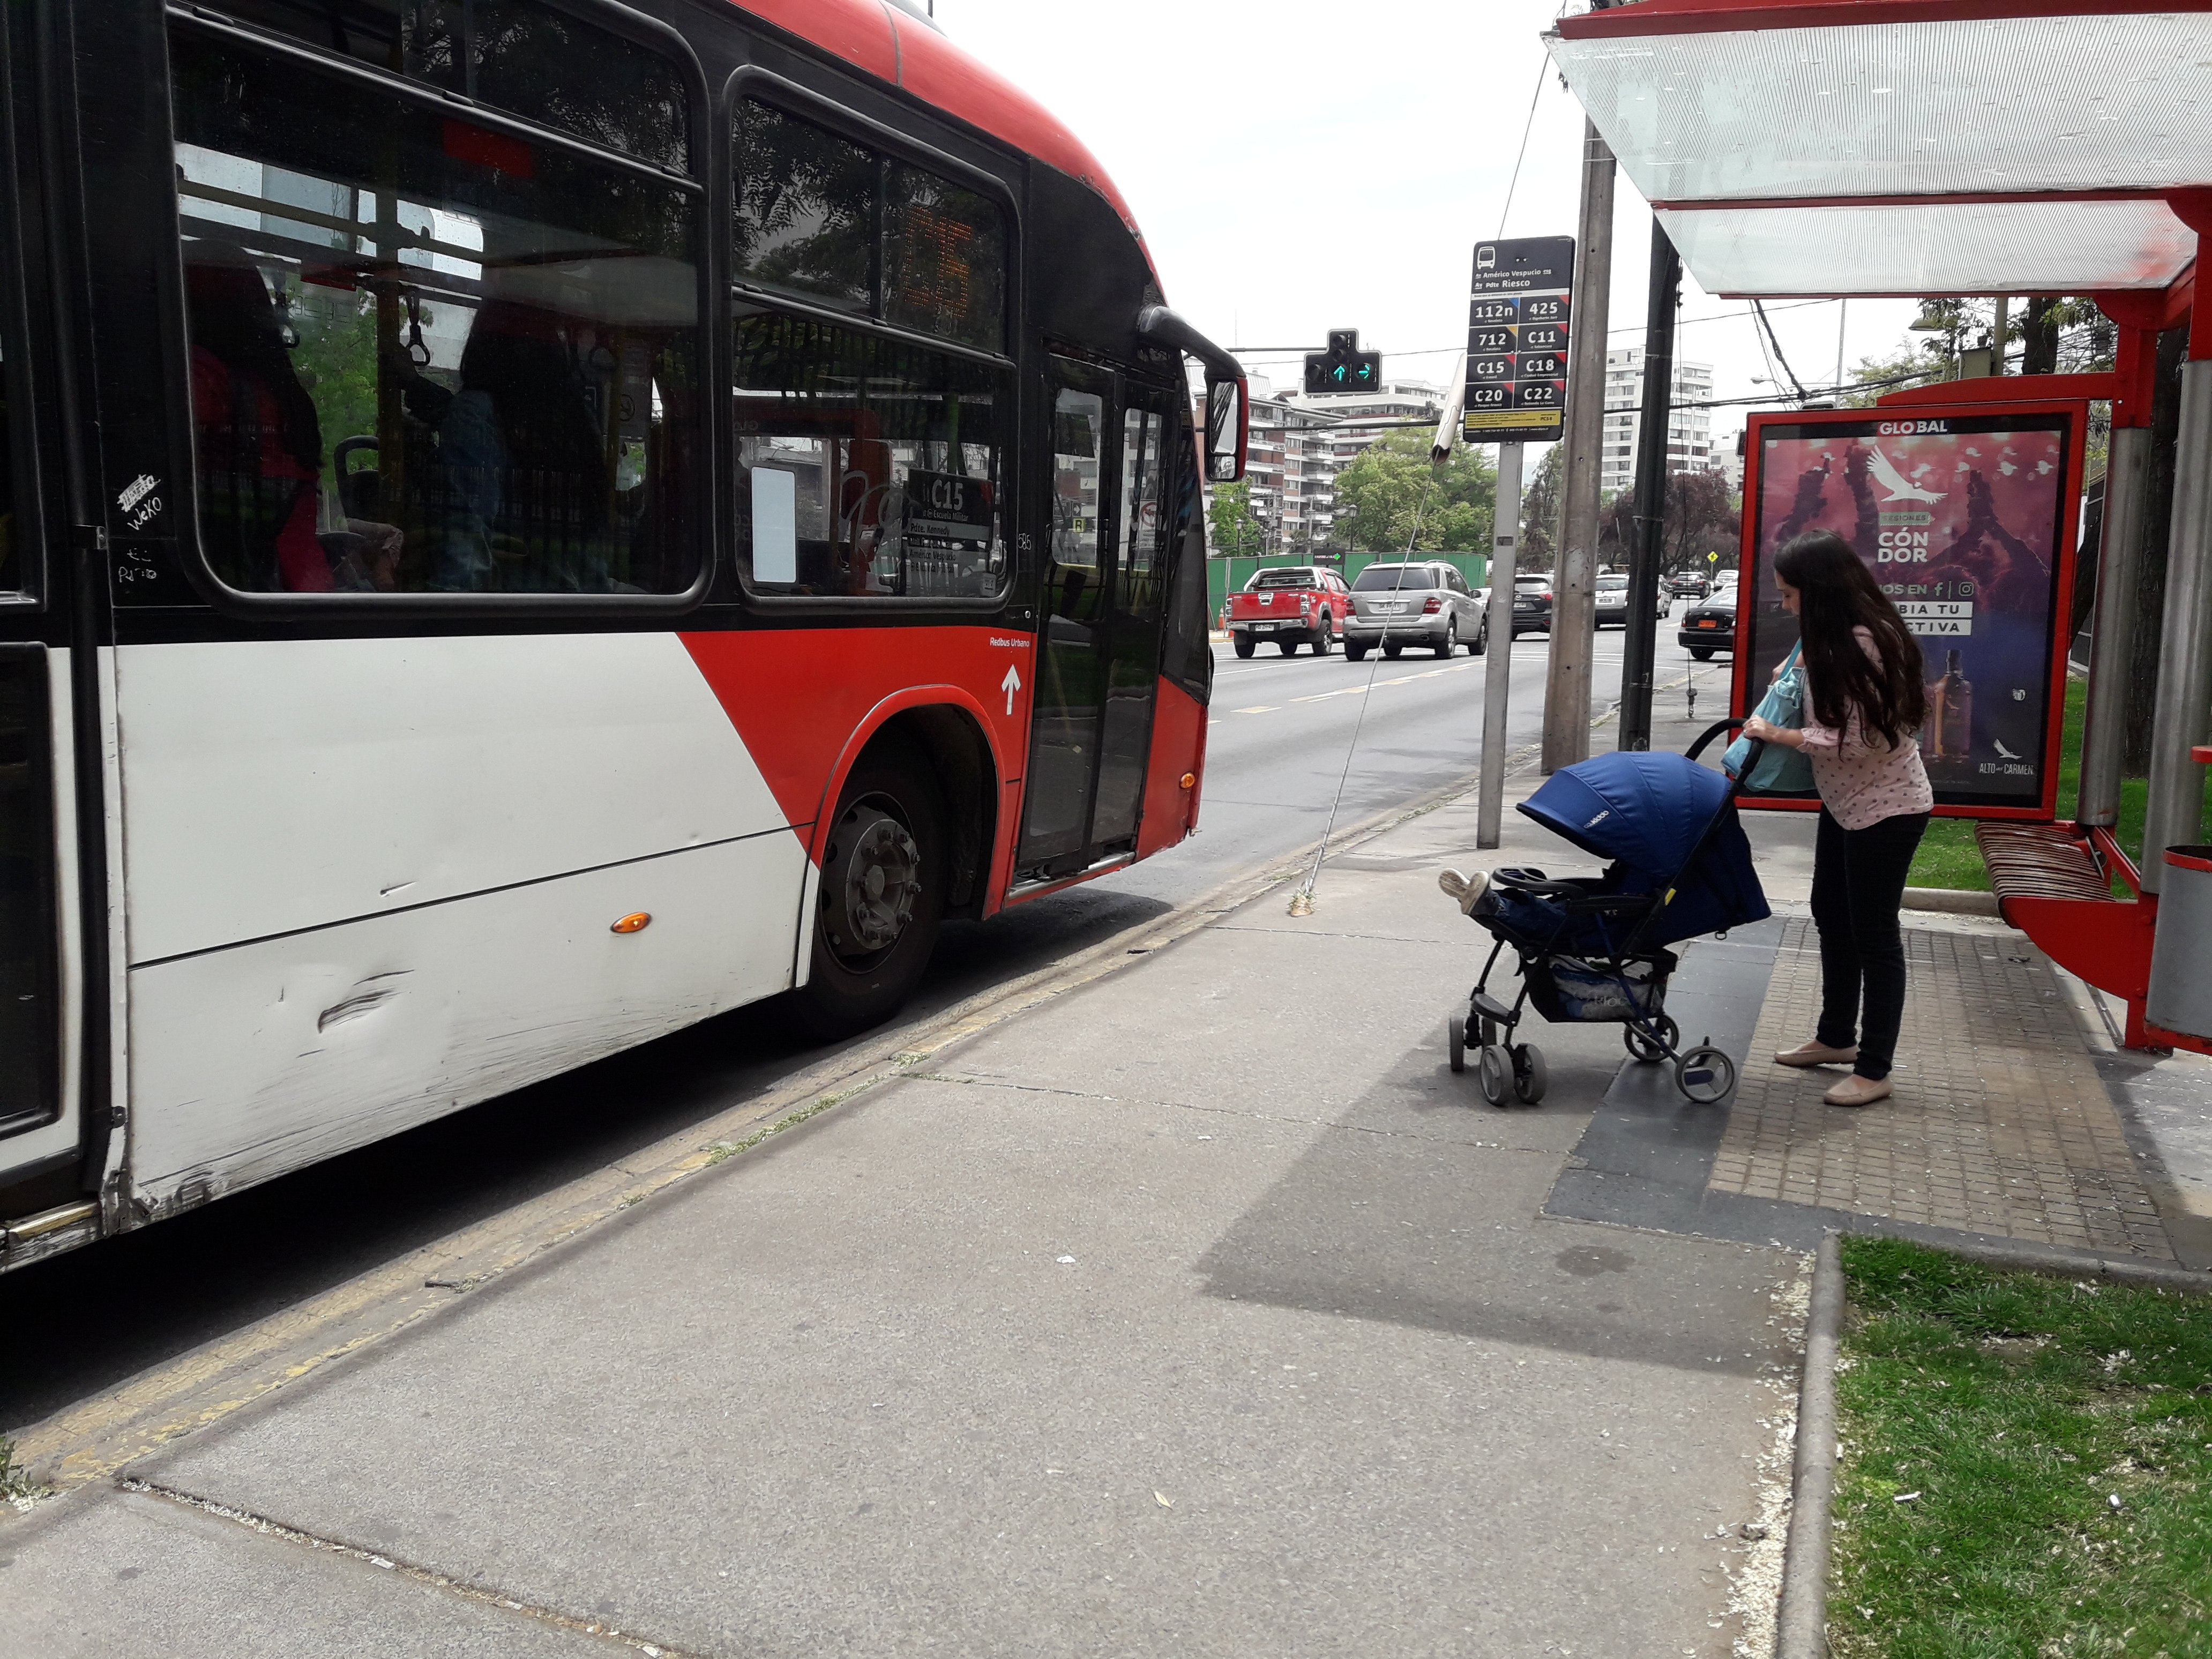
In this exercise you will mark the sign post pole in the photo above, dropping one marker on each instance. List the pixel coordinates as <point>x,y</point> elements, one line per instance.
<point>1498,672</point>
<point>1574,584</point>
<point>1516,393</point>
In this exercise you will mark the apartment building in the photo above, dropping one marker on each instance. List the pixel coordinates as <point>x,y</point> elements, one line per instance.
<point>1292,468</point>
<point>1689,431</point>
<point>1299,444</point>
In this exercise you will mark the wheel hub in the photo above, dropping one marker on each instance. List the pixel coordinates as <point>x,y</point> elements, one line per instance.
<point>871,880</point>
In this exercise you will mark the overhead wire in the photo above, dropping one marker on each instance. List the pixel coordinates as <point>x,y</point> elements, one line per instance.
<point>1758,310</point>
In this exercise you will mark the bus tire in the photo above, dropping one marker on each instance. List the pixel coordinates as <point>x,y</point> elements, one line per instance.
<point>882,894</point>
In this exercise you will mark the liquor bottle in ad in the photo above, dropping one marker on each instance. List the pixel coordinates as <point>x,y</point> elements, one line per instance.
<point>1951,712</point>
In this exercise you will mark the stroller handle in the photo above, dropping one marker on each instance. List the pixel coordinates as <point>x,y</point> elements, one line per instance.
<point>1706,738</point>
<point>1751,761</point>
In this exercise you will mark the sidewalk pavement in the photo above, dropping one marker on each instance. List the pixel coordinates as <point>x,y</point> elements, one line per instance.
<point>1202,1309</point>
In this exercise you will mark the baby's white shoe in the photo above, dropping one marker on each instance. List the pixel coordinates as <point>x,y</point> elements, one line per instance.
<point>1466,889</point>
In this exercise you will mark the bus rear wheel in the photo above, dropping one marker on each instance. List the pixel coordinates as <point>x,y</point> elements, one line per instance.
<point>882,894</point>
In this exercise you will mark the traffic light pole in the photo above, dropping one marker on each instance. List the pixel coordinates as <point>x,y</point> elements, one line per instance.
<point>1498,670</point>
<point>1574,587</point>
<point>1642,643</point>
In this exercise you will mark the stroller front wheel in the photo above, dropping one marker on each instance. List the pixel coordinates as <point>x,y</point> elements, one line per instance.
<point>1650,1040</point>
<point>1704,1074</point>
<point>1456,1040</point>
<point>1493,1070</point>
<point>1530,1075</point>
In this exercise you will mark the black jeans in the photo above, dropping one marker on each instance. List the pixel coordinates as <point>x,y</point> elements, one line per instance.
<point>1858,888</point>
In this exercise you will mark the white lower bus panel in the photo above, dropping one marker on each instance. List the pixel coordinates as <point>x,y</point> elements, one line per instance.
<point>264,1057</point>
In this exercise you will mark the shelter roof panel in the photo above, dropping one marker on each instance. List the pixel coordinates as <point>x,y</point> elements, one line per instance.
<point>2023,104</point>
<point>1911,249</point>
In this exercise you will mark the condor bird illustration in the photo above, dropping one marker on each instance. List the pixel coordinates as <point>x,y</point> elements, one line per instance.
<point>1899,488</point>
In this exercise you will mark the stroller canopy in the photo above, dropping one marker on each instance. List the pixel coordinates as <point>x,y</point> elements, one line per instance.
<point>1670,826</point>
<point>1647,810</point>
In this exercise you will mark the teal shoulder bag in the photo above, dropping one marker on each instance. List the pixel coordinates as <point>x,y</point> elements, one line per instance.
<point>1780,770</point>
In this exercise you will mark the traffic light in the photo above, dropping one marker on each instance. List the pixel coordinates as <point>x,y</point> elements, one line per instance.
<point>1344,366</point>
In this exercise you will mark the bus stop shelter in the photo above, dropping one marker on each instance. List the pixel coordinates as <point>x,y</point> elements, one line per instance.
<point>1912,148</point>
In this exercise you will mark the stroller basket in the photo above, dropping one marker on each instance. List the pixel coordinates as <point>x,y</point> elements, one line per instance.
<point>1566,990</point>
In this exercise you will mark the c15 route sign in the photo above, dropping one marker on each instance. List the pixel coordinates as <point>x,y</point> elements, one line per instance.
<point>1516,340</point>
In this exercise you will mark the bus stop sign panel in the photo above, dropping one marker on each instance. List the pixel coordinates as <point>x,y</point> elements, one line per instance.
<point>1516,340</point>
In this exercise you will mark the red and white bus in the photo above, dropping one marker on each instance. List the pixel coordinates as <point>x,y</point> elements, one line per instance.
<point>531,523</point>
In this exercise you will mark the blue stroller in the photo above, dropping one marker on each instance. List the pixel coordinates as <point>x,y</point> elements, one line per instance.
<point>1593,949</point>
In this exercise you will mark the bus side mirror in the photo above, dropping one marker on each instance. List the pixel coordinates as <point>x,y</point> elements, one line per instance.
<point>1228,422</point>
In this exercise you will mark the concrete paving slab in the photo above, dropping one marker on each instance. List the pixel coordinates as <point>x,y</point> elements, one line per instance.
<point>971,1366</point>
<point>101,1572</point>
<point>1203,1309</point>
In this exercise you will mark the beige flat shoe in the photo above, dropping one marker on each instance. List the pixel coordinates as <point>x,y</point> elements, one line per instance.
<point>1816,1053</point>
<point>1856,1090</point>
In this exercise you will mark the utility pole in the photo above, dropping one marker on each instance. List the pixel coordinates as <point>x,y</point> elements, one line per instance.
<point>1497,671</point>
<point>1574,591</point>
<point>1651,492</point>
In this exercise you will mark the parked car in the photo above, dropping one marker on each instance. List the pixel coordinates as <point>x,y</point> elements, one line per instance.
<point>1688,585</point>
<point>1612,601</point>
<point>1292,606</point>
<point>1416,602</point>
<point>1532,605</point>
<point>1709,625</point>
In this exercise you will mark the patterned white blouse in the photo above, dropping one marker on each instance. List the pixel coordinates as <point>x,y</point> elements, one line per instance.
<point>1862,779</point>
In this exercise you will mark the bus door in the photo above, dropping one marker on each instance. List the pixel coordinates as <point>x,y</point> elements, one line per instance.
<point>1098,641</point>
<point>39,1151</point>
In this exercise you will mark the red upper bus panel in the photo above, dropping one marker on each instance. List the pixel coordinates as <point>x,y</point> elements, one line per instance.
<point>874,37</point>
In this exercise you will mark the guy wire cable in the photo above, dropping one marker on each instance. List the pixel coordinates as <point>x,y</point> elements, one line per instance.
<point>1302,902</point>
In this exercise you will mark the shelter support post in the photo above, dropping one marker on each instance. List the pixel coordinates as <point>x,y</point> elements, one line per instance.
<point>2183,703</point>
<point>1638,648</point>
<point>1497,671</point>
<point>2119,557</point>
<point>1574,587</point>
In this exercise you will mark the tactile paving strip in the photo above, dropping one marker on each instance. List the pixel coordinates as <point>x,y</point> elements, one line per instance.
<point>1999,1123</point>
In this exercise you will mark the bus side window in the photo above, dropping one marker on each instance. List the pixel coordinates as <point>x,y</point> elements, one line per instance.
<point>897,452</point>
<point>428,355</point>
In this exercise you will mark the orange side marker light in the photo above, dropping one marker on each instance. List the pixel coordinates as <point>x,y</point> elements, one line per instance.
<point>636,922</point>
<point>1190,780</point>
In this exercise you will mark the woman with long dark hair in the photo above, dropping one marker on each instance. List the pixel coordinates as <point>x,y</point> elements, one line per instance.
<point>1865,701</point>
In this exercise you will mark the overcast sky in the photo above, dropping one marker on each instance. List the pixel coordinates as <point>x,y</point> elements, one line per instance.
<point>1304,165</point>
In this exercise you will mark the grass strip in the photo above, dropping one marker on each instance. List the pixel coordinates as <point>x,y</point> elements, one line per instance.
<point>1949,857</point>
<point>2026,1465</point>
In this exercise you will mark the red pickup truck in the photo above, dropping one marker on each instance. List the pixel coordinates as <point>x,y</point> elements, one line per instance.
<point>1292,606</point>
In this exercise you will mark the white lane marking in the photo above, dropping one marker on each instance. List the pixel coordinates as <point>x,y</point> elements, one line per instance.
<point>1399,680</point>
<point>1263,708</point>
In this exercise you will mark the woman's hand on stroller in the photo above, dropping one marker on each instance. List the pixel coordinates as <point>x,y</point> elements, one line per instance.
<point>1765,731</point>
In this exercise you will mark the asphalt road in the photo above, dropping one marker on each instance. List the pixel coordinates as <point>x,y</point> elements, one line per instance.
<point>1282,737</point>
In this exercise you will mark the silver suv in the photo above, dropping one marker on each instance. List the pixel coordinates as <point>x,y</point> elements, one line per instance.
<point>1395,605</point>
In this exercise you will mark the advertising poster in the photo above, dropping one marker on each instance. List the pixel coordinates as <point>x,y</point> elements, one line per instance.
<point>1965,516</point>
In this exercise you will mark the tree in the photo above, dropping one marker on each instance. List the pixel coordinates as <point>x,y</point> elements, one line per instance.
<point>1235,528</point>
<point>1701,517</point>
<point>1540,510</point>
<point>1396,499</point>
<point>2050,334</point>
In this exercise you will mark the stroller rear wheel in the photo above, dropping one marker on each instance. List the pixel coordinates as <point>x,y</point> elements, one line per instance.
<point>1455,1041</point>
<point>1640,1041</point>
<point>1493,1070</point>
<point>1530,1075</point>
<point>1704,1074</point>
